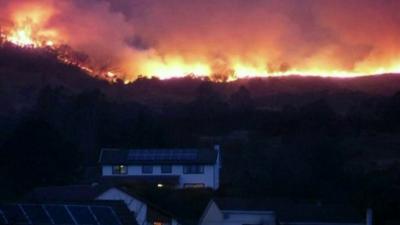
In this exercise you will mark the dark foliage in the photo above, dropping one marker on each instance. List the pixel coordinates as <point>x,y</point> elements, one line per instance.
<point>332,140</point>
<point>35,155</point>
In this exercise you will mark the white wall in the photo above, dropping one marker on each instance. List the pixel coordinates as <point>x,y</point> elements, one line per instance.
<point>248,217</point>
<point>134,205</point>
<point>210,177</point>
<point>214,216</point>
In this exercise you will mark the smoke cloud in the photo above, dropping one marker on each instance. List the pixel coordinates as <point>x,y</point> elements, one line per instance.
<point>225,38</point>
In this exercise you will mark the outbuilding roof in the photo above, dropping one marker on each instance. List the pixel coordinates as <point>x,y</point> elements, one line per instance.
<point>68,193</point>
<point>158,156</point>
<point>66,213</point>
<point>151,179</point>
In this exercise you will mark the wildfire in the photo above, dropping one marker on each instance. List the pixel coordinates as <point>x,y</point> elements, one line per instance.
<point>29,31</point>
<point>31,27</point>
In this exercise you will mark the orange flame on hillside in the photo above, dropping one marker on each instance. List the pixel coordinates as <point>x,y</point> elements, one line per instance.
<point>31,27</point>
<point>28,31</point>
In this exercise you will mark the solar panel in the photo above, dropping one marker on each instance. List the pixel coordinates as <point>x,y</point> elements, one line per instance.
<point>82,215</point>
<point>13,214</point>
<point>105,215</point>
<point>59,214</point>
<point>3,219</point>
<point>36,214</point>
<point>163,154</point>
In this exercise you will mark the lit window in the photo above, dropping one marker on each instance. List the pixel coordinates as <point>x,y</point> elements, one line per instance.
<point>193,169</point>
<point>166,169</point>
<point>120,169</point>
<point>194,185</point>
<point>147,169</point>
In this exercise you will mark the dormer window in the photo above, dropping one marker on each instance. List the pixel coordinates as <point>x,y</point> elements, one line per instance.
<point>120,169</point>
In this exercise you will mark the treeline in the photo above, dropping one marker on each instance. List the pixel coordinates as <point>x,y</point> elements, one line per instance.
<point>321,144</point>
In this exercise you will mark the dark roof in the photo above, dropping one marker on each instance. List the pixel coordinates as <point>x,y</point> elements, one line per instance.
<point>320,213</point>
<point>158,156</point>
<point>67,213</point>
<point>167,180</point>
<point>67,193</point>
<point>79,193</point>
<point>243,204</point>
<point>186,205</point>
<point>289,211</point>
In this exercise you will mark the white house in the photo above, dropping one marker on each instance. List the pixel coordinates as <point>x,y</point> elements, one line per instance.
<point>145,213</point>
<point>226,211</point>
<point>179,168</point>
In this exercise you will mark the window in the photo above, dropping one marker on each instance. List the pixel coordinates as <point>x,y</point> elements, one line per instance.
<point>160,223</point>
<point>147,169</point>
<point>120,169</point>
<point>193,169</point>
<point>166,169</point>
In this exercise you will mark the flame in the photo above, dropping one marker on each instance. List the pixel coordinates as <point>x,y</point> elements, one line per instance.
<point>29,31</point>
<point>174,68</point>
<point>30,28</point>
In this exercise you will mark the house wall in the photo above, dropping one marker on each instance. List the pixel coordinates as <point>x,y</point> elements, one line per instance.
<point>214,216</point>
<point>210,177</point>
<point>248,217</point>
<point>134,205</point>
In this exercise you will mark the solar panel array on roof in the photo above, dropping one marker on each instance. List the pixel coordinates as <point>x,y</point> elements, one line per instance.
<point>162,154</point>
<point>57,214</point>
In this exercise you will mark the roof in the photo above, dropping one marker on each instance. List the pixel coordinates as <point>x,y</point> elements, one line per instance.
<point>158,156</point>
<point>237,204</point>
<point>67,213</point>
<point>79,193</point>
<point>290,211</point>
<point>68,193</point>
<point>151,179</point>
<point>186,205</point>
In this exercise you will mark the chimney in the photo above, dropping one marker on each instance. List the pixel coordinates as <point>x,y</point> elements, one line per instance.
<point>217,148</point>
<point>369,219</point>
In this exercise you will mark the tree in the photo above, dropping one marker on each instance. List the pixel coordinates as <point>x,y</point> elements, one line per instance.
<point>241,100</point>
<point>36,155</point>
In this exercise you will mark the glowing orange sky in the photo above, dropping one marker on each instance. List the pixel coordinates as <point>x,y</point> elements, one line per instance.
<point>218,38</point>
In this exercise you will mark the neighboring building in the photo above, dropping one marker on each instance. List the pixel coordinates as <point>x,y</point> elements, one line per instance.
<point>179,168</point>
<point>66,213</point>
<point>255,212</point>
<point>145,213</point>
<point>236,212</point>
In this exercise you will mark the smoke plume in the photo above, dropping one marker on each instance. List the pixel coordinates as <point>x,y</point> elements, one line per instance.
<point>222,38</point>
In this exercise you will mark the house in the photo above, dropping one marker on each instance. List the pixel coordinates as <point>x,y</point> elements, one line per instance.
<point>144,212</point>
<point>257,212</point>
<point>178,168</point>
<point>236,212</point>
<point>66,213</point>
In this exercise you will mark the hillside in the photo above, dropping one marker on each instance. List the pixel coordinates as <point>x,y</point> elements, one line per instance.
<point>23,72</point>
